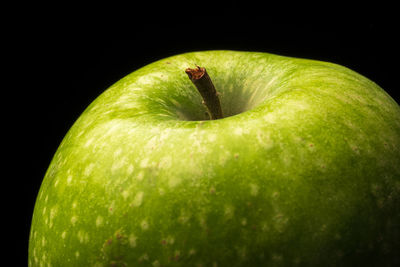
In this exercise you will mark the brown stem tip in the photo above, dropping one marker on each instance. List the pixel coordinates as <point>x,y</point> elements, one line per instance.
<point>195,74</point>
<point>204,85</point>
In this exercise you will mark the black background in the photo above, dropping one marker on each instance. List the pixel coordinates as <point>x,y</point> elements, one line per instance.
<point>60,65</point>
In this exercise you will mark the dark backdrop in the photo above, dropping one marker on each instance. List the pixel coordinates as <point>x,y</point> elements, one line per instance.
<point>62,68</point>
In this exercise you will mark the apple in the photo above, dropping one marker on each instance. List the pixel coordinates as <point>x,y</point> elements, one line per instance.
<point>303,169</point>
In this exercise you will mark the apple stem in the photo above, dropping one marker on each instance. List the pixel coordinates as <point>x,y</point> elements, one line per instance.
<point>204,85</point>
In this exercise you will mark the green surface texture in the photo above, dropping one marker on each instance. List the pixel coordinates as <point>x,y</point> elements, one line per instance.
<point>303,171</point>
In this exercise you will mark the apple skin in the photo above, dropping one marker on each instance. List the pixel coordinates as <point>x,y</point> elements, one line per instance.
<point>304,170</point>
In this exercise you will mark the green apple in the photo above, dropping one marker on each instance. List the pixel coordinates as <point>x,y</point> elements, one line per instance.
<point>302,170</point>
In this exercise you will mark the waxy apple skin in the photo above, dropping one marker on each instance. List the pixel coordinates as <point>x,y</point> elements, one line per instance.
<point>304,170</point>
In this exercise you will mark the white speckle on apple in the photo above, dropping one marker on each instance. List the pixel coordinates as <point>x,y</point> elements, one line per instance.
<point>254,189</point>
<point>117,152</point>
<point>99,221</point>
<point>192,251</point>
<point>125,194</point>
<point>151,77</point>
<point>166,241</point>
<point>46,199</point>
<point>44,257</point>
<point>176,103</point>
<point>264,226</point>
<point>212,137</point>
<point>151,144</point>
<point>80,133</point>
<point>83,236</point>
<point>156,263</point>
<point>40,194</point>
<point>161,191</point>
<point>144,225</point>
<point>130,169</point>
<point>170,240</point>
<point>229,211</point>
<point>277,257</point>
<point>77,254</point>
<point>56,182</point>
<point>113,128</point>
<point>202,220</point>
<point>144,257</point>
<point>166,162</point>
<point>275,195</point>
<point>165,134</point>
<point>53,212</point>
<point>35,258</point>
<point>280,222</point>
<point>244,221</point>
<point>238,131</point>
<point>88,170</point>
<point>74,219</point>
<point>264,140</point>
<point>69,179</point>
<point>155,130</point>
<point>179,114</point>
<point>89,142</point>
<point>63,235</point>
<point>137,201</point>
<point>270,117</point>
<point>144,163</point>
<point>184,217</point>
<point>74,204</point>
<point>140,176</point>
<point>44,211</point>
<point>174,181</point>
<point>223,157</point>
<point>118,164</point>
<point>132,240</point>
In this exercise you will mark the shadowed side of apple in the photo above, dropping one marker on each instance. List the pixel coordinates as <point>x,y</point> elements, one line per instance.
<point>302,169</point>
